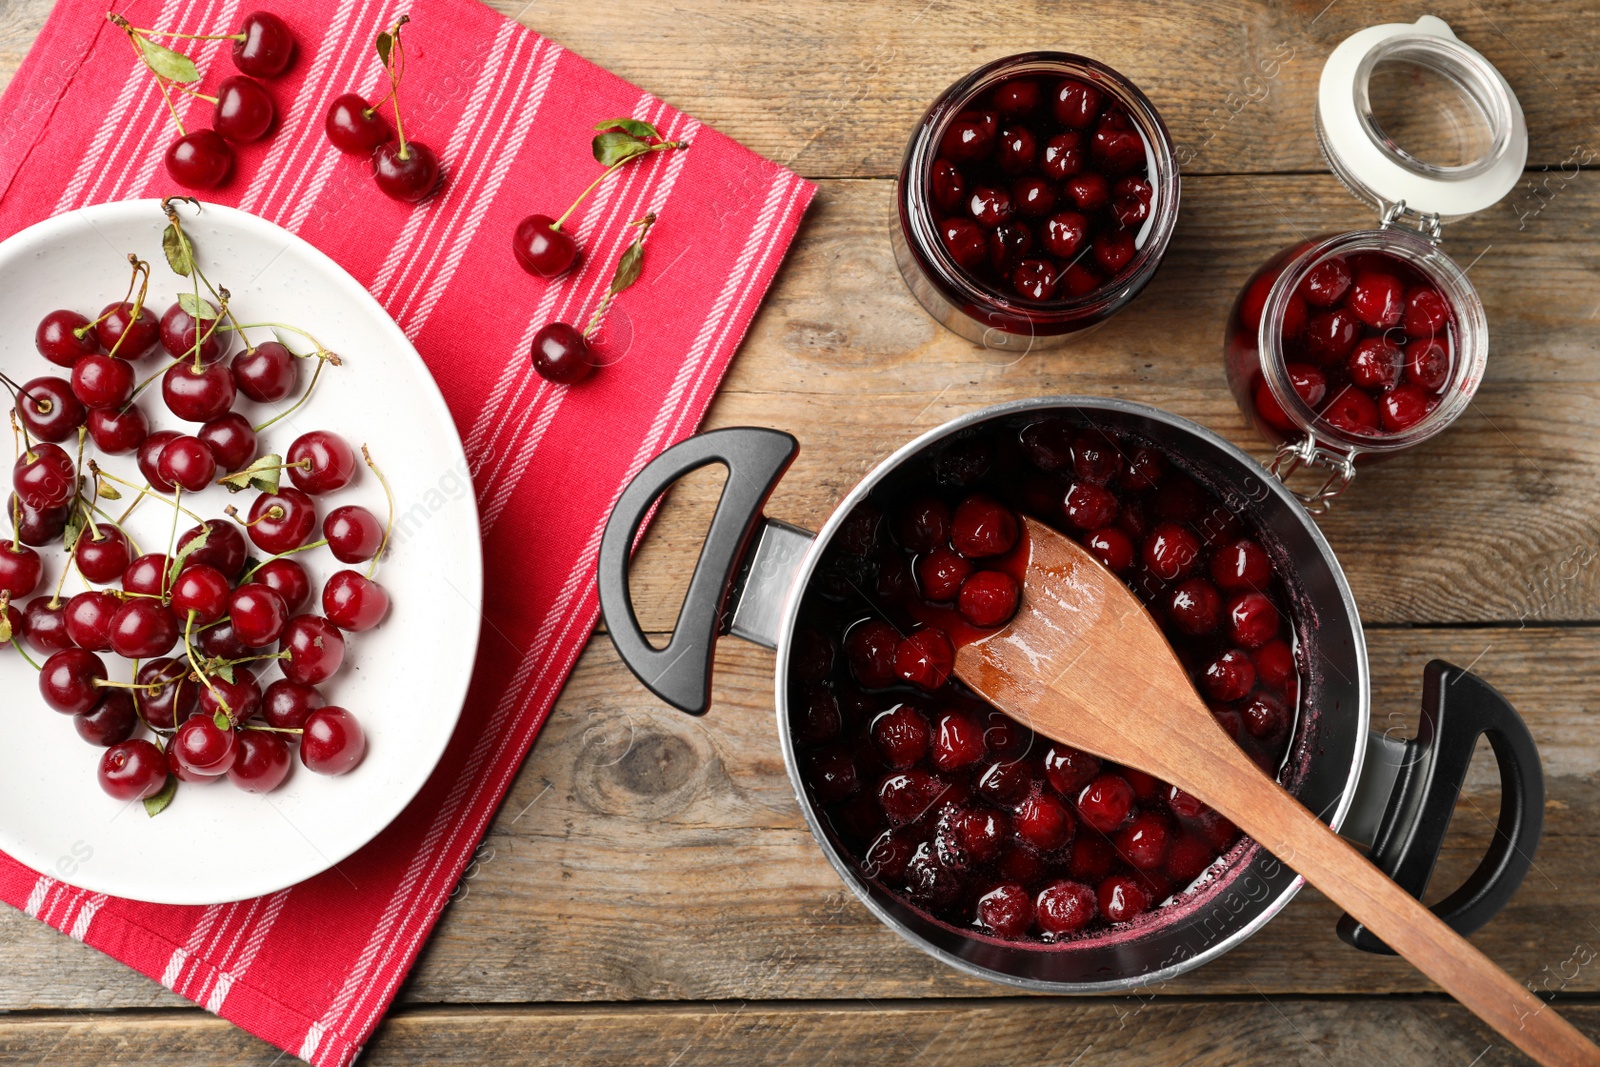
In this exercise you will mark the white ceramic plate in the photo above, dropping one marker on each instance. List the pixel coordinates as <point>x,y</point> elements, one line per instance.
<point>405,681</point>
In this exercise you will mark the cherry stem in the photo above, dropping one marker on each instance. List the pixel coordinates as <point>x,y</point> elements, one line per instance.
<point>143,491</point>
<point>613,289</point>
<point>117,525</point>
<point>188,649</point>
<point>140,278</point>
<point>197,94</point>
<point>143,32</point>
<point>16,390</point>
<point>321,351</point>
<point>388,528</point>
<point>323,358</point>
<point>106,683</point>
<point>27,443</point>
<point>275,512</point>
<point>662,147</point>
<point>281,555</point>
<point>299,465</point>
<point>394,67</point>
<point>285,654</point>
<point>271,729</point>
<point>27,658</point>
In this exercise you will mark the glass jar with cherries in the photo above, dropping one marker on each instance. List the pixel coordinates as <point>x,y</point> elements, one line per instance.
<point>1036,199</point>
<point>1353,346</point>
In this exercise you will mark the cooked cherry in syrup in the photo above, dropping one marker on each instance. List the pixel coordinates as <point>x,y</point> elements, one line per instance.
<point>950,804</point>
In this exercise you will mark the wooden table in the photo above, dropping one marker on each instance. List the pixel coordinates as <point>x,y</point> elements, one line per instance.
<point>649,892</point>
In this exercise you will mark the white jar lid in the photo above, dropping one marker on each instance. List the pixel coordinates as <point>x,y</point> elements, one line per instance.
<point>1384,173</point>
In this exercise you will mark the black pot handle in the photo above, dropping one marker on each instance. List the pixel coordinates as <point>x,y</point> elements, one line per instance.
<point>1458,707</point>
<point>680,673</point>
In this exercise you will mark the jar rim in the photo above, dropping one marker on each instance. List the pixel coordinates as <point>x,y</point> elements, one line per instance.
<point>1472,342</point>
<point>916,216</point>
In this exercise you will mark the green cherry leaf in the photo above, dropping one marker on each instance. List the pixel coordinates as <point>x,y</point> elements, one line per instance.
<point>264,474</point>
<point>628,266</point>
<point>612,148</point>
<point>173,66</point>
<point>199,309</point>
<point>182,555</point>
<point>157,804</point>
<point>641,130</point>
<point>177,250</point>
<point>385,44</point>
<point>105,490</point>
<point>76,523</point>
<point>221,720</point>
<point>225,672</point>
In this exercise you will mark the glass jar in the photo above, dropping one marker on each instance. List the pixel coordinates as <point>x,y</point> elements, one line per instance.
<point>1036,198</point>
<point>1354,346</point>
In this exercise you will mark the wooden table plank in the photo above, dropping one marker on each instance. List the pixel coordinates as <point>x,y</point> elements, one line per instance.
<point>1086,1033</point>
<point>834,89</point>
<point>646,854</point>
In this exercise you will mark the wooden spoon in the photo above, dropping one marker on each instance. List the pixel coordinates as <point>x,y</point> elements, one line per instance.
<point>1083,663</point>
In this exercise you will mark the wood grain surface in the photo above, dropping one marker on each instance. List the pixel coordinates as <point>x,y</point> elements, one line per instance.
<point>649,892</point>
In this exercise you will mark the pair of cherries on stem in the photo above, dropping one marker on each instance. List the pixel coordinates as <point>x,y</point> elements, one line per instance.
<point>403,169</point>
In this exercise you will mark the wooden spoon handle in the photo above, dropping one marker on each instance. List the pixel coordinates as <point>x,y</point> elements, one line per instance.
<point>1265,811</point>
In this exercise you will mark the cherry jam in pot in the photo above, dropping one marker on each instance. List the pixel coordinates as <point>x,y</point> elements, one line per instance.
<point>1036,199</point>
<point>947,803</point>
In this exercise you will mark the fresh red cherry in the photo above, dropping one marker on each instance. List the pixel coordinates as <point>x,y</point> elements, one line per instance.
<point>321,462</point>
<point>1230,676</point>
<point>244,110</point>
<point>20,570</point>
<point>264,46</point>
<point>1105,802</point>
<point>315,647</point>
<point>263,762</point>
<point>203,747</point>
<point>259,614</point>
<point>179,330</point>
<point>118,431</point>
<point>102,553</point>
<point>197,395</point>
<point>561,354</point>
<point>143,629</point>
<point>231,440</point>
<point>1076,103</point>
<point>1064,907</point>
<point>125,334</point>
<point>186,462</point>
<point>266,373</point>
<point>37,526</point>
<point>1006,911</point>
<point>288,579</point>
<point>200,159</point>
<point>965,240</point>
<point>287,704</point>
<point>219,641</point>
<point>1064,233</point>
<point>353,533</point>
<point>925,658</point>
<point>982,527</point>
<point>1122,898</point>
<point>202,591</point>
<point>133,770</point>
<point>110,722</point>
<point>184,774</point>
<point>543,248</point>
<point>64,336</point>
<point>49,409</point>
<point>146,576</point>
<point>988,598</point>
<point>150,458</point>
<point>355,127</point>
<point>1377,299</point>
<point>46,477</point>
<point>69,681</point>
<point>239,699</point>
<point>44,624</point>
<point>174,696</point>
<point>1063,155</point>
<point>333,742</point>
<point>281,521</point>
<point>409,174</point>
<point>224,548</point>
<point>1427,364</point>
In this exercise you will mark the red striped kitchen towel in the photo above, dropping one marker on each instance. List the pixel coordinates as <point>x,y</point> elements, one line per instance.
<point>312,969</point>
